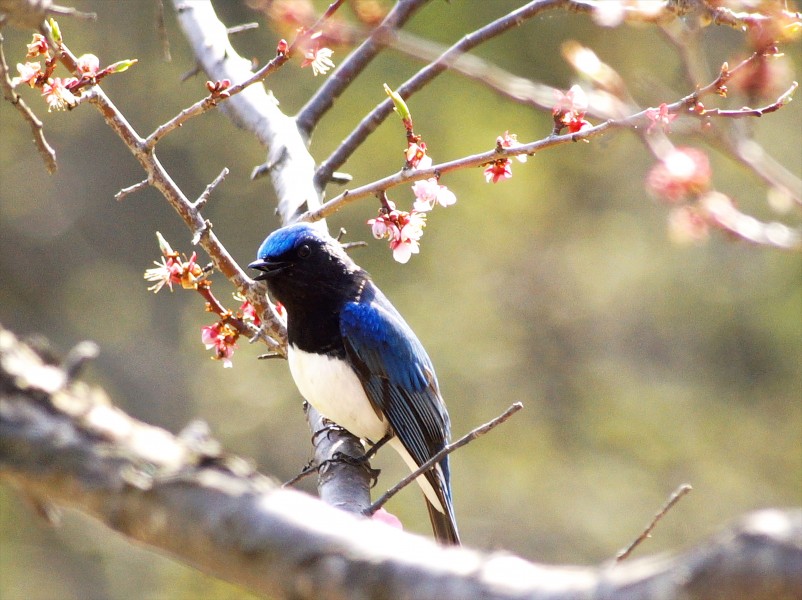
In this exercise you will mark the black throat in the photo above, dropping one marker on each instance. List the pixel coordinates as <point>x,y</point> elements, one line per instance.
<point>313,308</point>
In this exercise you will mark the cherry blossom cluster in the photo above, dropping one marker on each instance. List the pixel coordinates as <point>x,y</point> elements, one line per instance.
<point>296,18</point>
<point>222,336</point>
<point>682,179</point>
<point>569,110</point>
<point>404,229</point>
<point>501,169</point>
<point>60,93</point>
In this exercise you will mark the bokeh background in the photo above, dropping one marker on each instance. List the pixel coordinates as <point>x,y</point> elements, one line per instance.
<point>642,364</point>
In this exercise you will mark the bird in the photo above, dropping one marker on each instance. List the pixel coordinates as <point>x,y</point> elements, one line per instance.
<point>356,360</point>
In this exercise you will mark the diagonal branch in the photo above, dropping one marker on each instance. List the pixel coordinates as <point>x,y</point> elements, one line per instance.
<point>254,109</point>
<point>323,99</point>
<point>374,118</point>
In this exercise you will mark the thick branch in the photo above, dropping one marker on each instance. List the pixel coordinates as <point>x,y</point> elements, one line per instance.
<point>62,442</point>
<point>253,109</point>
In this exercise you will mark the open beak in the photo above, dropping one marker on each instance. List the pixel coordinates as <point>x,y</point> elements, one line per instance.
<point>268,268</point>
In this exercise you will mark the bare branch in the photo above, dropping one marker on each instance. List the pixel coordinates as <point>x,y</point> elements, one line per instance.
<point>63,443</point>
<point>675,497</point>
<point>126,191</point>
<point>204,197</point>
<point>445,451</point>
<point>317,106</point>
<point>373,119</point>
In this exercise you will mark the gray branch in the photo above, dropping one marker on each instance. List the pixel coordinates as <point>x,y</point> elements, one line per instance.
<point>62,442</point>
<point>290,165</point>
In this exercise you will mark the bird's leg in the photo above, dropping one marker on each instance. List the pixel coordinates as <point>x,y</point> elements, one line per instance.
<point>341,457</point>
<point>374,448</point>
<point>370,453</point>
<point>327,429</point>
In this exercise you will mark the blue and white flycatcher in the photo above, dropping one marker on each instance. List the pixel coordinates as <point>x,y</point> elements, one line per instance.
<point>355,359</point>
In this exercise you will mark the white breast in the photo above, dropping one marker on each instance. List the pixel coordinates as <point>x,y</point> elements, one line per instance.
<point>332,387</point>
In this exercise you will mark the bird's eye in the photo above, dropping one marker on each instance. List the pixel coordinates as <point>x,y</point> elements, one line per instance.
<point>304,251</point>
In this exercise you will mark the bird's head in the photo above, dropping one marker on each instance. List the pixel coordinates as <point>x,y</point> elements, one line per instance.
<point>300,261</point>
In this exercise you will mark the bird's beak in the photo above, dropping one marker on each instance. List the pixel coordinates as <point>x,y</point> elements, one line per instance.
<point>268,268</point>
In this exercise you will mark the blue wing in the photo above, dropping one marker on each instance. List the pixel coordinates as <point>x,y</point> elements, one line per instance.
<point>396,372</point>
<point>399,380</point>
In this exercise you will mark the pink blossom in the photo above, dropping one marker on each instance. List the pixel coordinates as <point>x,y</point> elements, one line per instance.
<point>382,516</point>
<point>416,156</point>
<point>402,228</point>
<point>37,46</point>
<point>28,73</point>
<point>569,111</point>
<point>174,270</point>
<point>222,338</point>
<point>58,95</point>
<point>660,116</point>
<point>683,173</point>
<point>574,100</point>
<point>510,140</point>
<point>498,170</point>
<point>88,65</point>
<point>247,310</point>
<point>688,225</point>
<point>429,192</point>
<point>576,123</point>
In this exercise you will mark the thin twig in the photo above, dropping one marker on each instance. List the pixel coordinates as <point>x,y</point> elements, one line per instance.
<point>304,473</point>
<point>675,497</point>
<point>204,197</point>
<point>121,195</point>
<point>746,111</point>
<point>373,119</point>
<point>467,438</point>
<point>161,30</point>
<point>356,62</point>
<point>237,29</point>
<point>45,149</point>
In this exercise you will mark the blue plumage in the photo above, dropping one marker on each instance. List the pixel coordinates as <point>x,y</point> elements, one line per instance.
<point>355,359</point>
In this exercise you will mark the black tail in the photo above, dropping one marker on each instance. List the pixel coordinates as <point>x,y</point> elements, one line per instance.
<point>444,525</point>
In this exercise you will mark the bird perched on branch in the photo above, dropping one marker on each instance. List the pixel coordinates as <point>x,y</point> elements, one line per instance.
<point>355,359</point>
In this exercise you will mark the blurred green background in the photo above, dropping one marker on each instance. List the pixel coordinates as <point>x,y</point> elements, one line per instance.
<point>642,364</point>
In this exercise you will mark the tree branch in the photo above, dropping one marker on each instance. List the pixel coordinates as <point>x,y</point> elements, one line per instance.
<point>254,109</point>
<point>373,119</point>
<point>63,443</point>
<point>343,76</point>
